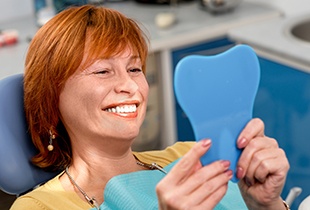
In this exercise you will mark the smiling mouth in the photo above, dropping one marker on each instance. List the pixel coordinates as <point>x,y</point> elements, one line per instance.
<point>122,109</point>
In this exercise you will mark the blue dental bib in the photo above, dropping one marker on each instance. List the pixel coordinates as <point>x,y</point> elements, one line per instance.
<point>136,191</point>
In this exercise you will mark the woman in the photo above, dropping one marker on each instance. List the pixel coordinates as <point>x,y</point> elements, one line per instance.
<point>85,100</point>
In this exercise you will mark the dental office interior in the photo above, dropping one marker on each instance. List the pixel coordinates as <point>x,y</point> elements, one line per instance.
<point>277,30</point>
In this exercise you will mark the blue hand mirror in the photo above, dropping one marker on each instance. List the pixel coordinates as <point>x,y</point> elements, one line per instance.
<point>217,94</point>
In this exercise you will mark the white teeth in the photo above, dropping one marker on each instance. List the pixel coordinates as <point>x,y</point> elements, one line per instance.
<point>123,109</point>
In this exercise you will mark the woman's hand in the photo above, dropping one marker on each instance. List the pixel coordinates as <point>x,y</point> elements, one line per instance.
<point>262,168</point>
<point>190,186</point>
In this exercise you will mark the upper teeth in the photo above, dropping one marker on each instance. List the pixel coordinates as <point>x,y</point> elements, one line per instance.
<point>123,109</point>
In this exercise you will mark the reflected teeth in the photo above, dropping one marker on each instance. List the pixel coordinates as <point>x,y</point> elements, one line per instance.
<point>123,109</point>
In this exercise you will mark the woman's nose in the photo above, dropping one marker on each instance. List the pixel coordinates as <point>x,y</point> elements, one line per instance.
<point>125,84</point>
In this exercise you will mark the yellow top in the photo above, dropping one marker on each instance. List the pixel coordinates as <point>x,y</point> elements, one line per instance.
<point>52,195</point>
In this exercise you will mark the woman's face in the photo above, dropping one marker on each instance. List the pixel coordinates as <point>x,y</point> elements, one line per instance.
<point>106,100</point>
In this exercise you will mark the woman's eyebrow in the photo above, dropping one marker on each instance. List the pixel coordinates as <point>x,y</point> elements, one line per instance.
<point>135,57</point>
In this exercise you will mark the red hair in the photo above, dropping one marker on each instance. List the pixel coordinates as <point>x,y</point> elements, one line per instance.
<point>54,54</point>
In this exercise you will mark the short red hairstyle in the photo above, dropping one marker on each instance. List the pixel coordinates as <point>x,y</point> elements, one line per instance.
<point>54,54</point>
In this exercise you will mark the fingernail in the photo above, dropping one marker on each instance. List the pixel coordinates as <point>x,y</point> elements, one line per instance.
<point>239,173</point>
<point>229,173</point>
<point>247,182</point>
<point>225,163</point>
<point>242,142</point>
<point>206,142</point>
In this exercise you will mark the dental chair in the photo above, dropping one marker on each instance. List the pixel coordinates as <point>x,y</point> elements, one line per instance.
<point>17,174</point>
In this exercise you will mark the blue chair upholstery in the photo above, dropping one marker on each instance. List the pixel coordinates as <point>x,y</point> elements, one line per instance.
<point>17,174</point>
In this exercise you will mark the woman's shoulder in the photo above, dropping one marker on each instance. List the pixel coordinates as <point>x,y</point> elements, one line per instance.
<point>167,155</point>
<point>32,200</point>
<point>50,195</point>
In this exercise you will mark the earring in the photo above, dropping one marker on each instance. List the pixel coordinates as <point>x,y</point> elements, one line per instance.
<point>50,146</point>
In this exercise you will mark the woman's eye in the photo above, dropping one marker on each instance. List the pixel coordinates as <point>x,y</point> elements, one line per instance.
<point>135,70</point>
<point>101,72</point>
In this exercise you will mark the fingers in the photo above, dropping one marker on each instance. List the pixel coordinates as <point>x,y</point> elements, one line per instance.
<point>262,166</point>
<point>200,191</point>
<point>189,162</point>
<point>204,175</point>
<point>211,202</point>
<point>263,179</point>
<point>210,192</point>
<point>253,129</point>
<point>257,150</point>
<point>208,195</point>
<point>270,165</point>
<point>189,185</point>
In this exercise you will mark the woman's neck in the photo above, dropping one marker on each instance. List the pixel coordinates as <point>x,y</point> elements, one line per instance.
<point>92,169</point>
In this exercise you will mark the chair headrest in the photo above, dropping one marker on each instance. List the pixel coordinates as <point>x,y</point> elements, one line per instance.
<point>17,173</point>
